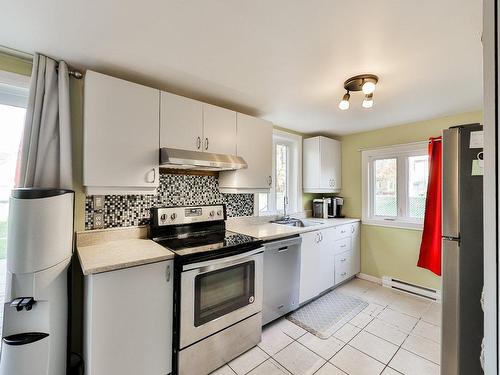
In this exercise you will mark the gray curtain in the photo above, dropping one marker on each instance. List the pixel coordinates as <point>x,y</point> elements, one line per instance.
<point>45,154</point>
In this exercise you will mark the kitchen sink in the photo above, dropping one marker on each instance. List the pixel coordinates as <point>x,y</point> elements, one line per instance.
<point>297,223</point>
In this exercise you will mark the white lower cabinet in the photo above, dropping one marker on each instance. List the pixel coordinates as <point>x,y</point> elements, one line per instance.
<point>328,257</point>
<point>128,321</point>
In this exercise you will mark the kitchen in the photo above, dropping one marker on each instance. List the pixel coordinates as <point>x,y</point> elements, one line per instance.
<point>216,232</point>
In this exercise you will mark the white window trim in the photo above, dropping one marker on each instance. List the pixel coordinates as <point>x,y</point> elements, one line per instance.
<point>398,151</point>
<point>14,89</point>
<point>295,182</point>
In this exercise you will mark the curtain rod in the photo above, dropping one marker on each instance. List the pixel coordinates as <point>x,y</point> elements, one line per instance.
<point>28,57</point>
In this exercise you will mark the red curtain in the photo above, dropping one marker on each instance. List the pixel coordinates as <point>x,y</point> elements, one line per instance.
<point>430,248</point>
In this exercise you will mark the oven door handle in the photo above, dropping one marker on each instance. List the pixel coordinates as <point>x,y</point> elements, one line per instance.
<point>214,264</point>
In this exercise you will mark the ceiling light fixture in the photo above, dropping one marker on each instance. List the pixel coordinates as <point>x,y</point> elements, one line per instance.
<point>363,82</point>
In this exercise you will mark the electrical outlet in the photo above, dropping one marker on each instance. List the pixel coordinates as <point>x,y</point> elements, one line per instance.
<point>98,202</point>
<point>98,220</point>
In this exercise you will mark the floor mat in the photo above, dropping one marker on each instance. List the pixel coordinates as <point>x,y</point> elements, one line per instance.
<point>327,314</point>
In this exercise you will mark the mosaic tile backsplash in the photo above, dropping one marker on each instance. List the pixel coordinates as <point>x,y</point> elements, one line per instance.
<point>174,190</point>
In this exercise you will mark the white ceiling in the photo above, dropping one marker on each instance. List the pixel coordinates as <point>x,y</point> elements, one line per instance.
<point>285,60</point>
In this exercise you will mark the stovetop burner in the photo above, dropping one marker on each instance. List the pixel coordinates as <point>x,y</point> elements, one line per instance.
<point>203,241</point>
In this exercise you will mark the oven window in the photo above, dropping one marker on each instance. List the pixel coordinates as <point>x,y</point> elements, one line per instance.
<point>220,292</point>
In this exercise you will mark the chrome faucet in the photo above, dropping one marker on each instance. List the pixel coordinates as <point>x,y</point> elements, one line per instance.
<point>285,204</point>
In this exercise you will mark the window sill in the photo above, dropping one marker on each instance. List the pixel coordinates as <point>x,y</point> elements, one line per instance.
<point>393,224</point>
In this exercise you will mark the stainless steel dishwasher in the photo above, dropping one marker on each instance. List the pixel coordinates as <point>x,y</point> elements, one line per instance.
<point>281,278</point>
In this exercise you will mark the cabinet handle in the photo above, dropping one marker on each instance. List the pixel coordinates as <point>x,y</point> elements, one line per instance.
<point>198,143</point>
<point>343,274</point>
<point>333,183</point>
<point>167,275</point>
<point>352,229</point>
<point>282,249</point>
<point>343,259</point>
<point>206,143</point>
<point>317,238</point>
<point>270,180</point>
<point>342,231</point>
<point>281,306</point>
<point>344,245</point>
<point>320,237</point>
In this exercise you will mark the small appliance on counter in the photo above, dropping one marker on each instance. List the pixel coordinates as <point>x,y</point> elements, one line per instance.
<point>325,208</point>
<point>39,250</point>
<point>218,289</point>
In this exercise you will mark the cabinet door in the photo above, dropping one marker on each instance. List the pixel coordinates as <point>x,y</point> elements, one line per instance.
<point>181,122</point>
<point>219,130</point>
<point>327,259</point>
<point>356,248</point>
<point>250,132</point>
<point>128,320</point>
<point>330,163</point>
<point>309,261</point>
<point>311,163</point>
<point>121,123</point>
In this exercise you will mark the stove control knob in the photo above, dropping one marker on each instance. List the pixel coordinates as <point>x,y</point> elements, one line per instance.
<point>219,213</point>
<point>163,217</point>
<point>173,216</point>
<point>212,213</point>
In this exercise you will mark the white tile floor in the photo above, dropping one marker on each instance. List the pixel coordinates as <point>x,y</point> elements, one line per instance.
<point>395,334</point>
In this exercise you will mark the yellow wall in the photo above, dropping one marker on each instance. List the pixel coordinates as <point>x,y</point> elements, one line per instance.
<point>390,251</point>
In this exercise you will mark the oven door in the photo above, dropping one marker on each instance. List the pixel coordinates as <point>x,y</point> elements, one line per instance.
<point>218,293</point>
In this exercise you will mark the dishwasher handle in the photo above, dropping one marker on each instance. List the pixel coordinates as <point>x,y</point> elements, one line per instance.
<point>279,245</point>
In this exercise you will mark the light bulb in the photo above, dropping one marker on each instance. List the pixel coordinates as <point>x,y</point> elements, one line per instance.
<point>344,103</point>
<point>368,87</point>
<point>368,101</point>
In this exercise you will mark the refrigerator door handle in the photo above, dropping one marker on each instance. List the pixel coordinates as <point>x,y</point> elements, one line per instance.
<point>450,192</point>
<point>450,306</point>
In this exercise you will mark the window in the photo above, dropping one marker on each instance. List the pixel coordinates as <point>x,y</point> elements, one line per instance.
<point>286,189</point>
<point>395,185</point>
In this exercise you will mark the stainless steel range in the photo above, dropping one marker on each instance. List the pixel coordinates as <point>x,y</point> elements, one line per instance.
<point>217,286</point>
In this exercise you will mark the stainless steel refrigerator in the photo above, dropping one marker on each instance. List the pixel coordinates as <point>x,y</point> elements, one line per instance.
<point>462,261</point>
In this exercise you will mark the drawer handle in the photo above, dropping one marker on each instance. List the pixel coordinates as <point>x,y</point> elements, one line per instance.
<point>343,259</point>
<point>343,274</point>
<point>342,231</point>
<point>344,245</point>
<point>281,306</point>
<point>282,249</point>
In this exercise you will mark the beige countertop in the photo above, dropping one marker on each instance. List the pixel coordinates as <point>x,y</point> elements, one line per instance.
<point>109,250</point>
<point>262,229</point>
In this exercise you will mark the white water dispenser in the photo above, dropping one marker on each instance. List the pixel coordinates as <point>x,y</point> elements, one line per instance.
<point>39,250</point>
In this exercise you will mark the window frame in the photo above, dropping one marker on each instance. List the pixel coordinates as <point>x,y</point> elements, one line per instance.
<point>294,175</point>
<point>401,153</point>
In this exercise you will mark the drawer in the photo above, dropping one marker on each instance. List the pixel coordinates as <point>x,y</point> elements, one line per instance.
<point>342,245</point>
<point>343,231</point>
<point>343,266</point>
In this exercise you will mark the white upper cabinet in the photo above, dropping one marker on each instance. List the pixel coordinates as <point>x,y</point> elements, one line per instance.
<point>254,143</point>
<point>322,165</point>
<point>219,130</point>
<point>121,125</point>
<point>181,122</point>
<point>188,124</point>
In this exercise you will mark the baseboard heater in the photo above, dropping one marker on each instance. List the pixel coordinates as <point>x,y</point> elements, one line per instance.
<point>410,288</point>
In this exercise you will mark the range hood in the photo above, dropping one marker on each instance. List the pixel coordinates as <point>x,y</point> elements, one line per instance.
<point>201,161</point>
